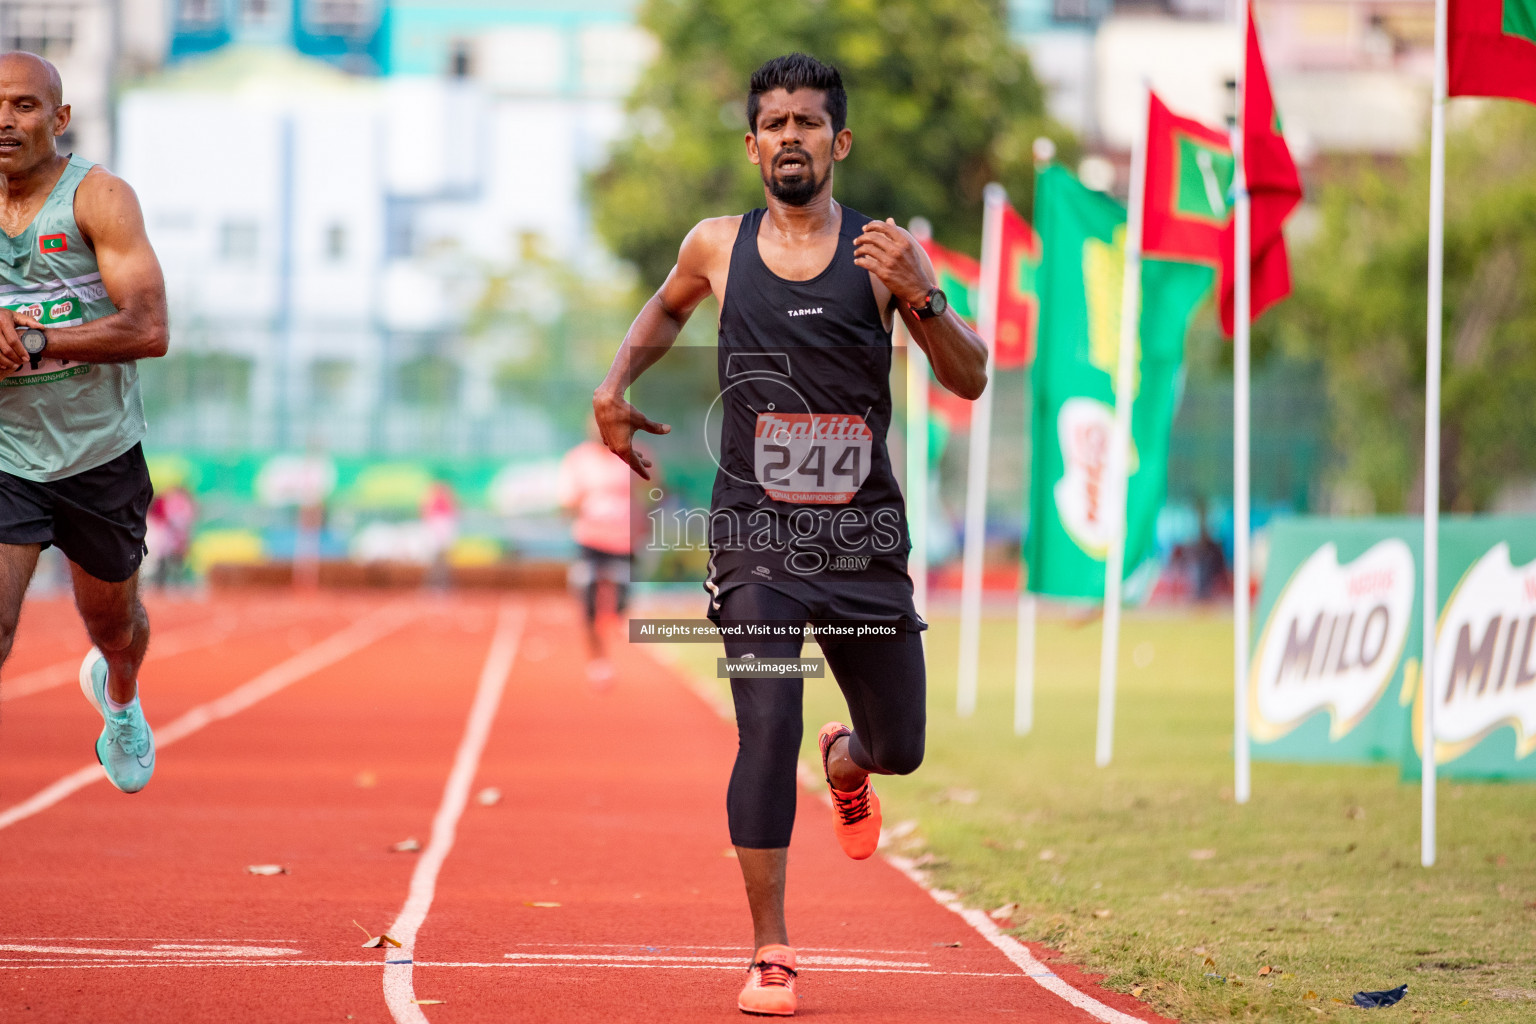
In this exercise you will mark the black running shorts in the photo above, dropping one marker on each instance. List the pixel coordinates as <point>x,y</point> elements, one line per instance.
<point>96,517</point>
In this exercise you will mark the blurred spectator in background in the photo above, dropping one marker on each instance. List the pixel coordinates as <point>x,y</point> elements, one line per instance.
<point>597,489</point>
<point>440,517</point>
<point>168,535</point>
<point>1210,564</point>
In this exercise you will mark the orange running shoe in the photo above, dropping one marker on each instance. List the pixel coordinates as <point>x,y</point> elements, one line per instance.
<point>858,813</point>
<point>770,988</point>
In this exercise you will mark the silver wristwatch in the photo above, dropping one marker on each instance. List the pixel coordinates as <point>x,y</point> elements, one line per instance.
<point>35,341</point>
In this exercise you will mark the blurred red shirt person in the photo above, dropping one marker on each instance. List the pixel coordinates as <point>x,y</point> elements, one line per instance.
<point>596,487</point>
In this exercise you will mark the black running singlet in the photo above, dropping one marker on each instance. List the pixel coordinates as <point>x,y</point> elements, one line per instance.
<point>805,494</point>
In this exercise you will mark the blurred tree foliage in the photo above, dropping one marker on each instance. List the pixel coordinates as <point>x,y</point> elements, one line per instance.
<point>1360,305</point>
<point>548,329</point>
<point>940,103</point>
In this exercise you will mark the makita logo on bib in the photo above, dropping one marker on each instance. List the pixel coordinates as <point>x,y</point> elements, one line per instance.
<point>808,311</point>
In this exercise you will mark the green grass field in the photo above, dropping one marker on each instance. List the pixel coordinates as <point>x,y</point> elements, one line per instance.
<point>1148,872</point>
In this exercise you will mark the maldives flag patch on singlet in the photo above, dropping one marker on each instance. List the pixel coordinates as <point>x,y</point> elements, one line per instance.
<point>812,458</point>
<point>53,243</point>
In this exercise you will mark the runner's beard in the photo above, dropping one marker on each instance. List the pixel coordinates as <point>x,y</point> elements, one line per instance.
<point>798,191</point>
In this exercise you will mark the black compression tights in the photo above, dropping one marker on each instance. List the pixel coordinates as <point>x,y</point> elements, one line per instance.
<point>884,683</point>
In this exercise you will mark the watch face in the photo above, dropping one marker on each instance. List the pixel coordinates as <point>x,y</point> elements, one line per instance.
<point>937,302</point>
<point>33,340</point>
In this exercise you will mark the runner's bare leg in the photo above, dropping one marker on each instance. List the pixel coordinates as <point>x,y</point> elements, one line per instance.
<point>17,564</point>
<point>763,871</point>
<point>842,772</point>
<point>119,627</point>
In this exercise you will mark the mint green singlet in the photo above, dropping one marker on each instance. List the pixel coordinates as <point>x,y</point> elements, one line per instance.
<point>62,418</point>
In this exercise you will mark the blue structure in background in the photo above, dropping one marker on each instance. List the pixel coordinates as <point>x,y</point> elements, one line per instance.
<point>352,34</point>
<point>375,37</point>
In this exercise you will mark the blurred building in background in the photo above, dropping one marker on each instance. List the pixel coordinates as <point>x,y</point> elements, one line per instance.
<point>1352,76</point>
<point>95,44</point>
<point>342,182</point>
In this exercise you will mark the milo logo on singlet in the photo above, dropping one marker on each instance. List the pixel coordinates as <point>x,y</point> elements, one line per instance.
<point>59,310</point>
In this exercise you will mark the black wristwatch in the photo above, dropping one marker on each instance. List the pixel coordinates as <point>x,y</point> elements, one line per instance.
<point>35,341</point>
<point>935,305</point>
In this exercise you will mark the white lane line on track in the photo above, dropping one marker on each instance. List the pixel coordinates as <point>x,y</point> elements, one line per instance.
<point>179,641</point>
<point>695,949</point>
<point>1014,950</point>
<point>399,989</point>
<point>327,652</point>
<point>162,951</point>
<point>734,967</point>
<point>182,640</point>
<point>610,958</point>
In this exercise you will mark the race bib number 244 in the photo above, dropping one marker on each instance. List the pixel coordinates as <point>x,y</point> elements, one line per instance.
<point>812,458</point>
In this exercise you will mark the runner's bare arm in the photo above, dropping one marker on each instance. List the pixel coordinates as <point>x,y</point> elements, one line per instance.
<point>652,335</point>
<point>958,355</point>
<point>110,219</point>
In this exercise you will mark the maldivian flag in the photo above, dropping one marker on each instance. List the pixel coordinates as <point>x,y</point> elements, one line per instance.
<point>1018,305</point>
<point>1492,48</point>
<point>1018,301</point>
<point>959,277</point>
<point>1189,185</point>
<point>1082,266</point>
<point>1274,190</point>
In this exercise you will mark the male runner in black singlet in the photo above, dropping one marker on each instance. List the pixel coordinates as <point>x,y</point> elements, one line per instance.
<point>806,521</point>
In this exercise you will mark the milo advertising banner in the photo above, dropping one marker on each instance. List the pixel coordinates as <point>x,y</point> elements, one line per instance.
<point>1485,653</point>
<point>1335,670</point>
<point>1338,621</point>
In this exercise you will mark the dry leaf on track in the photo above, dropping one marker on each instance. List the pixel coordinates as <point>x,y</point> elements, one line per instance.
<point>539,903</point>
<point>376,941</point>
<point>408,845</point>
<point>266,869</point>
<point>490,796</point>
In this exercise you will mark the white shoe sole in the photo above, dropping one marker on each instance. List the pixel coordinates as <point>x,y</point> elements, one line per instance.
<point>88,685</point>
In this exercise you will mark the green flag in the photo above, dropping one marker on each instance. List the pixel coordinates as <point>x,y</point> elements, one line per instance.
<point>1082,235</point>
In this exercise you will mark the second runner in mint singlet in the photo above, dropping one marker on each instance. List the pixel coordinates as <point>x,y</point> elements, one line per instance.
<point>82,299</point>
<point>64,416</point>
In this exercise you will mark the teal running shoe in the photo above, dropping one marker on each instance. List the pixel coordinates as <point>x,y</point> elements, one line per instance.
<point>126,746</point>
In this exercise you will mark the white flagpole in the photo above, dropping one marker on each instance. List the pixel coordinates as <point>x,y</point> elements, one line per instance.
<point>1431,591</point>
<point>917,467</point>
<point>980,452</point>
<point>1024,649</point>
<point>1024,665</point>
<point>1118,491</point>
<point>1243,268</point>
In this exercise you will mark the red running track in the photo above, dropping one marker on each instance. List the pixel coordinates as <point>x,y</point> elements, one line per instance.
<point>314,733</point>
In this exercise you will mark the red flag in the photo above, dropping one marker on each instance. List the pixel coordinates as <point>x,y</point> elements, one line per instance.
<point>959,276</point>
<point>1188,193</point>
<point>1274,190</point>
<point>1018,301</point>
<point>1492,48</point>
